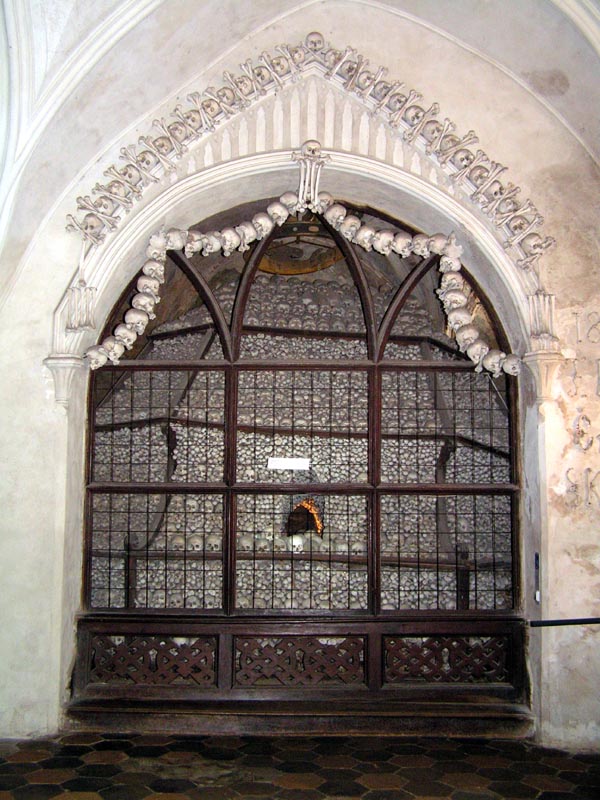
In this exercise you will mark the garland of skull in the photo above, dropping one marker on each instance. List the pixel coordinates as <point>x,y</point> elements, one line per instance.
<point>452,292</point>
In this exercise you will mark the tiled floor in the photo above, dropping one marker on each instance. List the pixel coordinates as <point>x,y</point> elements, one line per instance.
<point>87,766</point>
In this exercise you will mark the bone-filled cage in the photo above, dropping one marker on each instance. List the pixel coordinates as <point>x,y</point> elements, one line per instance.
<point>298,441</point>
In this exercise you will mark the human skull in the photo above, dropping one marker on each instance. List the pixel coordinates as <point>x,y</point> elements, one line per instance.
<point>314,42</point>
<point>194,243</point>
<point>211,243</point>
<point>476,351</point>
<point>136,320</point>
<point>154,269</point>
<point>402,244</point>
<point>263,545</point>
<point>350,227</point>
<point>278,213</point>
<point>451,280</point>
<point>114,348</point>
<point>92,224</point>
<point>452,249</point>
<point>335,215</point>
<point>149,286</point>
<point>437,243</point>
<point>263,224</point>
<point>193,118</point>
<point>533,244</point>
<point>280,65</point>
<point>213,543</point>
<point>459,317</point>
<point>226,95</point>
<point>144,302</point>
<point>231,241</point>
<point>454,298</point>
<point>462,158</point>
<point>297,542</point>
<point>311,148</point>
<point>358,547</point>
<point>290,201</point>
<point>244,84</point>
<point>420,245</point>
<point>383,241</point>
<point>175,600</point>
<point>125,335</point>
<point>245,543</point>
<point>465,336</point>
<point>176,239</point>
<point>97,356</point>
<point>324,201</point>
<point>364,237</point>
<point>512,365</point>
<point>432,129</point>
<point>164,145</point>
<point>157,246</point>
<point>280,545</point>
<point>105,205</point>
<point>178,132</point>
<point>178,542</point>
<point>448,264</point>
<point>147,159</point>
<point>339,544</point>
<point>131,174</point>
<point>413,114</point>
<point>117,188</point>
<point>493,361</point>
<point>196,542</point>
<point>247,233</point>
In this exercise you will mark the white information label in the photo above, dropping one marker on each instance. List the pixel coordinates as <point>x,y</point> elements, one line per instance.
<point>289,463</point>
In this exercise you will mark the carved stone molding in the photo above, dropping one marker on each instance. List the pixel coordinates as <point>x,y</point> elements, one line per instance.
<point>470,173</point>
<point>541,322</point>
<point>63,369</point>
<point>544,366</point>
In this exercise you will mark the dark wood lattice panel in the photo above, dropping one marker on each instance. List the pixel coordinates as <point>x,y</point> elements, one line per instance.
<point>446,659</point>
<point>153,660</point>
<point>299,661</point>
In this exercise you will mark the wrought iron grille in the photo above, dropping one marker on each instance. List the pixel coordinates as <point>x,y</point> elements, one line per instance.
<point>408,501</point>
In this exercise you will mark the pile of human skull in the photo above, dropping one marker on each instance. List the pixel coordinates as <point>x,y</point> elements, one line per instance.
<point>130,453</point>
<point>291,303</point>
<point>300,585</point>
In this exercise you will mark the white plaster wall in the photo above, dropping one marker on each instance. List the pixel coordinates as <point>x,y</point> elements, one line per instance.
<point>151,67</point>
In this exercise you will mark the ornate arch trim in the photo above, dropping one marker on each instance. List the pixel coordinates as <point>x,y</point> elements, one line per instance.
<point>465,170</point>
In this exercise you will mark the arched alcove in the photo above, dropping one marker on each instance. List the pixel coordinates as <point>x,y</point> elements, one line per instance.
<point>366,372</point>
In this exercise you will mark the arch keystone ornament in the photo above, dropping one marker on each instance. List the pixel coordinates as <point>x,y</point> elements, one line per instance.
<point>453,293</point>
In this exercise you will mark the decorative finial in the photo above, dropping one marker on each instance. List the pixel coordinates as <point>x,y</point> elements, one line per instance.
<point>311,160</point>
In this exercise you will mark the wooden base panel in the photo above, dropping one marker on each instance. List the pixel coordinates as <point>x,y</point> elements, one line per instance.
<point>408,719</point>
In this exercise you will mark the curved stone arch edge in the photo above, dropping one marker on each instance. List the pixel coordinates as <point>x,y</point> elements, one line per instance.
<point>155,155</point>
<point>530,313</point>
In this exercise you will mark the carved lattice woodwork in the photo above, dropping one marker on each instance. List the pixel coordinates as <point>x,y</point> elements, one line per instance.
<point>446,659</point>
<point>299,661</point>
<point>153,660</point>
